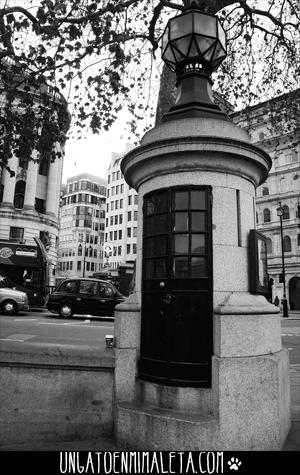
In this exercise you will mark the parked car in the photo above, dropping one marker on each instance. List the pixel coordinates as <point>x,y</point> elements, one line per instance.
<point>84,296</point>
<point>11,301</point>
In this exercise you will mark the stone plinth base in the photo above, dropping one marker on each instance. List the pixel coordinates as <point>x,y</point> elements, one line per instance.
<point>251,411</point>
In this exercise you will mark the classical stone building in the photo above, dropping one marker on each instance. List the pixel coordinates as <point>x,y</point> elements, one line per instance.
<point>29,200</point>
<point>268,128</point>
<point>121,216</point>
<point>82,222</point>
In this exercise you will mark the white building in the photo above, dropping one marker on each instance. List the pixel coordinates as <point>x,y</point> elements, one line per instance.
<point>29,200</point>
<point>121,216</point>
<point>82,222</point>
<point>282,185</point>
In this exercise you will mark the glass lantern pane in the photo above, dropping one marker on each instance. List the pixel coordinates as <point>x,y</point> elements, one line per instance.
<point>219,52</point>
<point>165,39</point>
<point>168,55</point>
<point>205,24</point>
<point>209,53</point>
<point>204,43</point>
<point>183,45</point>
<point>193,50</point>
<point>222,35</point>
<point>177,54</point>
<point>181,26</point>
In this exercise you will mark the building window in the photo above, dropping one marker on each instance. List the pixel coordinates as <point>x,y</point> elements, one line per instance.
<point>116,219</point>
<point>267,215</point>
<point>121,204</point>
<point>111,220</point>
<point>115,235</point>
<point>129,216</point>
<point>129,200</point>
<point>128,232</point>
<point>44,164</point>
<point>134,232</point>
<point>118,175</point>
<point>1,193</point>
<point>120,219</point>
<point>122,188</point>
<point>16,234</point>
<point>79,251</point>
<point>92,266</point>
<point>286,212</point>
<point>117,189</point>
<point>120,234</point>
<point>39,205</point>
<point>265,190</point>
<point>78,265</point>
<point>116,204</point>
<point>128,248</point>
<point>135,215</point>
<point>134,248</point>
<point>108,179</point>
<point>19,194</point>
<point>119,250</point>
<point>287,245</point>
<point>113,176</point>
<point>298,240</point>
<point>88,266</point>
<point>269,246</point>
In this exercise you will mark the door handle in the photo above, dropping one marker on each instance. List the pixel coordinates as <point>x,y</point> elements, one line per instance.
<point>168,299</point>
<point>78,298</point>
<point>102,301</point>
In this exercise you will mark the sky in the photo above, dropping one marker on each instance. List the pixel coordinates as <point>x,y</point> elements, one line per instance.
<point>93,154</point>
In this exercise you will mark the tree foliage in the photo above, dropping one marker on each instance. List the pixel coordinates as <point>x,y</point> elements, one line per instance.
<point>104,57</point>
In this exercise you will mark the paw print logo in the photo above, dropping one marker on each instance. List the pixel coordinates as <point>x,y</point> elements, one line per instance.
<point>234,463</point>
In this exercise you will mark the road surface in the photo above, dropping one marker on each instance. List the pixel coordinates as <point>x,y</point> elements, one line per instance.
<point>46,328</point>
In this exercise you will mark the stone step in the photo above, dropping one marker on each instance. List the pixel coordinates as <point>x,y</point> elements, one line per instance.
<point>187,399</point>
<point>142,426</point>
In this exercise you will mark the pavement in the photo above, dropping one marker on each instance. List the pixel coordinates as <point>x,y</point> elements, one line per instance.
<point>292,442</point>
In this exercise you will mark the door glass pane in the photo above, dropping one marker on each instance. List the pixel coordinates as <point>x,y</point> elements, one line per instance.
<point>156,225</point>
<point>160,268</point>
<point>149,247</point>
<point>198,221</point>
<point>181,267</point>
<point>198,244</point>
<point>156,203</point>
<point>160,245</point>
<point>181,243</point>
<point>198,267</point>
<point>198,200</point>
<point>181,200</point>
<point>149,268</point>
<point>181,221</point>
<point>156,246</point>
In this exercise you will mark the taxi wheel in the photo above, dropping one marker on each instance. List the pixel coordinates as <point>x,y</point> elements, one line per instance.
<point>9,307</point>
<point>66,311</point>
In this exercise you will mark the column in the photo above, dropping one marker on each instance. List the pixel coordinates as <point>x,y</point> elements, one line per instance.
<point>52,184</point>
<point>31,181</point>
<point>9,183</point>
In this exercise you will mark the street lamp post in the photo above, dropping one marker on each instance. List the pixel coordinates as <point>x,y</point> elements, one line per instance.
<point>284,300</point>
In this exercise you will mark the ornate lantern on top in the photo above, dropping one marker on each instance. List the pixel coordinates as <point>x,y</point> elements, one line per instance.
<point>193,46</point>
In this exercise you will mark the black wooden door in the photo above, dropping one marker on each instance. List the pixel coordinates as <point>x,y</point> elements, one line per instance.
<point>176,344</point>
